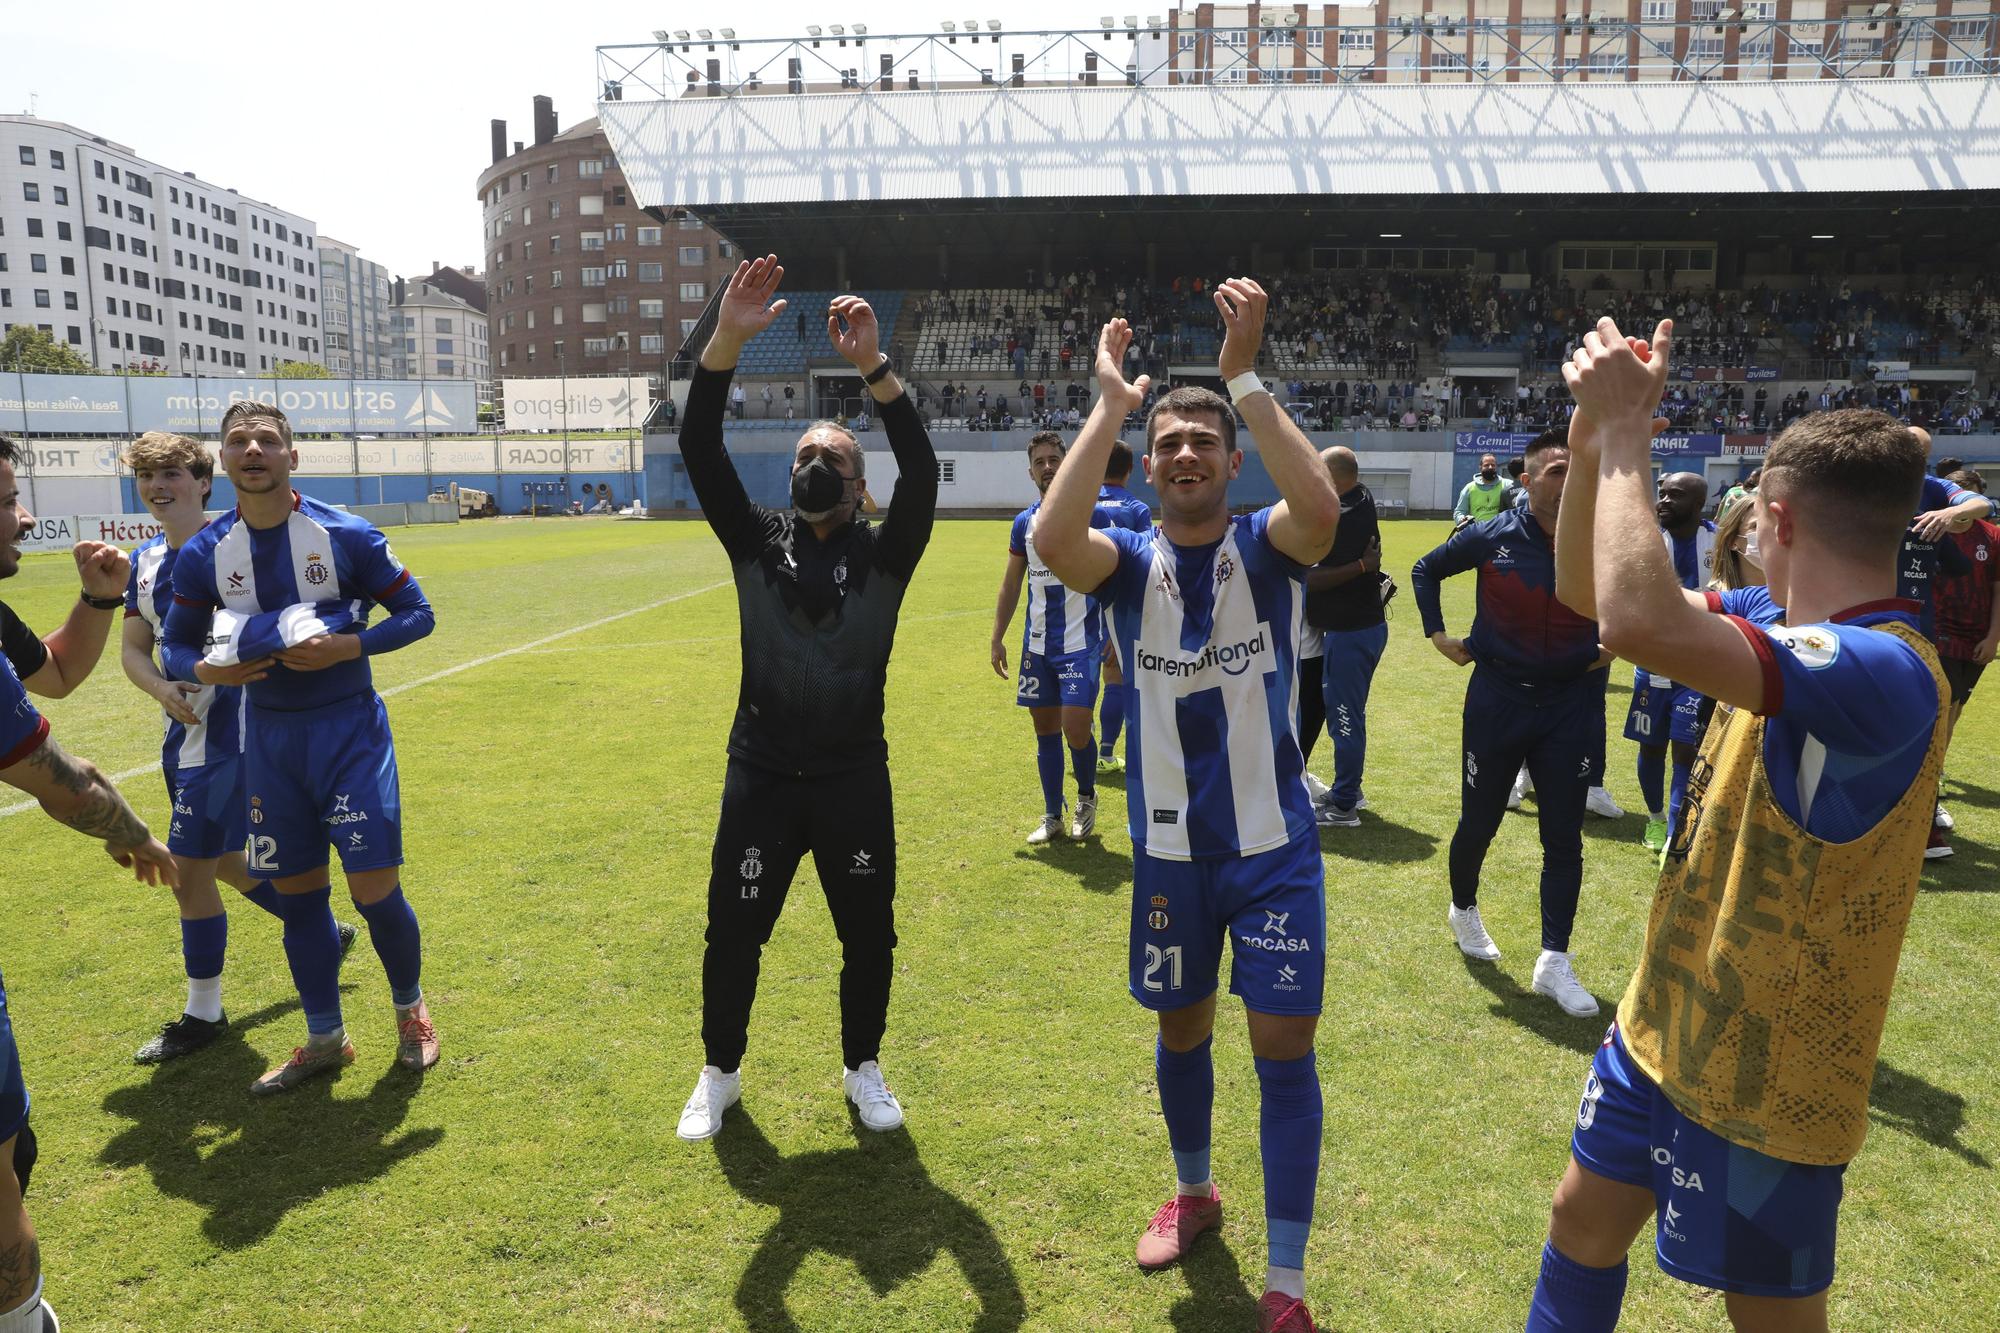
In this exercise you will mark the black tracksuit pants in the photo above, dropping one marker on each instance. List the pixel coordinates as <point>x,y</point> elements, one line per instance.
<point>769,822</point>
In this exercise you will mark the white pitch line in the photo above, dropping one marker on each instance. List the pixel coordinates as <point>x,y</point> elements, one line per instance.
<point>154,767</point>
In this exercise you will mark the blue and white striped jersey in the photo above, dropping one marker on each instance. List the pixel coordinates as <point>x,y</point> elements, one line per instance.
<point>149,594</point>
<point>1209,638</point>
<point>1126,509</point>
<point>1060,622</point>
<point>318,554</point>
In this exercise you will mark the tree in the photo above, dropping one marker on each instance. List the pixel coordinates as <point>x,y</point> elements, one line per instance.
<point>300,370</point>
<point>28,348</point>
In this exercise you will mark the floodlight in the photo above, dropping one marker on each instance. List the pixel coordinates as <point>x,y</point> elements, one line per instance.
<point>728,34</point>
<point>972,25</point>
<point>949,26</point>
<point>813,29</point>
<point>704,34</point>
<point>860,29</point>
<point>1106,21</point>
<point>661,35</point>
<point>1882,10</point>
<point>836,29</point>
<point>680,34</point>
<point>1267,20</point>
<point>1131,20</point>
<point>993,25</point>
<point>1155,22</point>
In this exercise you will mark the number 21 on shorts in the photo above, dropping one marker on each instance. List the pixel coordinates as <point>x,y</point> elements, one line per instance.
<point>1155,957</point>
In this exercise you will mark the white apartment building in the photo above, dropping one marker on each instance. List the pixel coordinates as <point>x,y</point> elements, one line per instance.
<point>355,307</point>
<point>442,336</point>
<point>141,267</point>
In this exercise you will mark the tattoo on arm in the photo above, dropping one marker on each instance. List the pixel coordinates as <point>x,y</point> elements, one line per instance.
<point>99,811</point>
<point>20,1264</point>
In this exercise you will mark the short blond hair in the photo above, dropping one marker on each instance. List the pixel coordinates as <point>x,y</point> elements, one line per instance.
<point>158,449</point>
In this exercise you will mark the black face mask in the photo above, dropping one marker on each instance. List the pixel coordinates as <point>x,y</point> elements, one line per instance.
<point>817,490</point>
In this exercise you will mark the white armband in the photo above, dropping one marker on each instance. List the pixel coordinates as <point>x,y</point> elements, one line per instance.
<point>1242,386</point>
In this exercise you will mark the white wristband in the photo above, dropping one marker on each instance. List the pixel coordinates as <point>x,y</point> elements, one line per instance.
<point>1242,386</point>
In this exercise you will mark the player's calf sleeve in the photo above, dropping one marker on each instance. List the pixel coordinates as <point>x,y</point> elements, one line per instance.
<point>392,928</point>
<point>1187,1100</point>
<point>203,943</point>
<point>312,947</point>
<point>1573,1298</point>
<point>1289,1136</point>
<point>1111,715</point>
<point>1083,766</point>
<point>1676,795</point>
<point>265,895</point>
<point>1653,778</point>
<point>1048,761</point>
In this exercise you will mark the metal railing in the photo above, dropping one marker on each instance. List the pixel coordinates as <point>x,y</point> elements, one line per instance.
<point>1723,43</point>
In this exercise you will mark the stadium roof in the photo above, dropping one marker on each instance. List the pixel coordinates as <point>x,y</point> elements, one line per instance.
<point>1339,141</point>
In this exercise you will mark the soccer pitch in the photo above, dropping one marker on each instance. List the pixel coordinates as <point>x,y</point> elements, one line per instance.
<point>561,742</point>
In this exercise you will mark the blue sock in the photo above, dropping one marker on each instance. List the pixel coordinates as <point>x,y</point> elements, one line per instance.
<point>1289,1136</point>
<point>1570,1298</point>
<point>203,942</point>
<point>312,947</point>
<point>1048,760</point>
<point>263,894</point>
<point>1083,764</point>
<point>1111,716</point>
<point>392,926</point>
<point>1653,777</point>
<point>1677,791</point>
<point>1187,1100</point>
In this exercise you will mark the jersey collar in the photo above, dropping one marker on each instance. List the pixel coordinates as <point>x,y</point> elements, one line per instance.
<point>1893,606</point>
<point>295,504</point>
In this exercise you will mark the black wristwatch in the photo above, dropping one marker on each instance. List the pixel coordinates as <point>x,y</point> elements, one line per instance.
<point>101,603</point>
<point>874,376</point>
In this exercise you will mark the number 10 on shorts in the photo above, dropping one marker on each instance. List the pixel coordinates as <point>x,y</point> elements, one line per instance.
<point>1171,957</point>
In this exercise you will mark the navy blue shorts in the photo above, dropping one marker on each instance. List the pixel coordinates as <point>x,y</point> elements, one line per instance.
<point>210,814</point>
<point>324,776</point>
<point>1663,713</point>
<point>1066,681</point>
<point>1272,905</point>
<point>13,1092</point>
<point>1728,1217</point>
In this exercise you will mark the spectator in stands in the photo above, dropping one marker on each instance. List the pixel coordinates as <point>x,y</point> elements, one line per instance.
<point>767,400</point>
<point>736,401</point>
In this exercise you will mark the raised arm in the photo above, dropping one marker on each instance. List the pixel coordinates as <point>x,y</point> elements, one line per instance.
<point>1081,556</point>
<point>76,645</point>
<point>906,528</point>
<point>745,310</point>
<point>1303,521</point>
<point>1644,615</point>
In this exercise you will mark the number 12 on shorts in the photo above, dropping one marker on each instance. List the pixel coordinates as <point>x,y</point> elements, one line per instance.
<point>1171,957</point>
<point>263,852</point>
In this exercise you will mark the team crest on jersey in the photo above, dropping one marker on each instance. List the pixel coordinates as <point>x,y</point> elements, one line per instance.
<point>751,867</point>
<point>1471,770</point>
<point>1815,648</point>
<point>1225,569</point>
<point>1157,920</point>
<point>316,571</point>
<point>256,809</point>
<point>1978,553</point>
<point>840,572</point>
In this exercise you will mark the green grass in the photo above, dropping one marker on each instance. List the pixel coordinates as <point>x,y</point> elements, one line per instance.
<point>559,808</point>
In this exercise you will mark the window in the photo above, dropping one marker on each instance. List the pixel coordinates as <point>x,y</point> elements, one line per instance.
<point>596,346</point>
<point>693,254</point>
<point>652,272</point>
<point>35,227</point>
<point>444,347</point>
<point>592,240</point>
<point>590,166</point>
<point>1656,11</point>
<point>38,263</point>
<point>62,197</point>
<point>555,245</point>
<point>69,300</point>
<point>590,206</point>
<point>441,325</point>
<point>42,298</point>
<point>649,235</point>
<point>550,178</point>
<point>555,209</point>
<point>688,222</point>
<point>68,267</point>
<point>618,196</point>
<point>555,277</point>
<point>593,312</point>
<point>694,291</point>
<point>31,192</point>
<point>27,156</point>
<point>652,309</point>
<point>593,277</point>
<point>1357,39</point>
<point>653,343</point>
<point>618,269</point>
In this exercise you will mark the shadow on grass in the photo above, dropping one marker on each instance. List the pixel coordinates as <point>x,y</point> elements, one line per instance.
<point>1908,1103</point>
<point>1537,1013</point>
<point>1094,865</point>
<point>247,1161</point>
<point>1216,1297</point>
<point>1379,842</point>
<point>873,1205</point>
<point>1953,791</point>
<point>1971,868</point>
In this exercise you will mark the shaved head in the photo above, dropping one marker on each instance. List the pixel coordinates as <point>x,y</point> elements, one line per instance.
<point>1342,466</point>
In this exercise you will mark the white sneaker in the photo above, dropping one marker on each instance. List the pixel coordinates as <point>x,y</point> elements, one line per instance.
<point>877,1105</point>
<point>1361,803</point>
<point>1521,789</point>
<point>1473,941</point>
<point>1555,978</point>
<point>1086,817</point>
<point>714,1093</point>
<point>1047,831</point>
<point>1599,803</point>
<point>1942,819</point>
<point>1315,788</point>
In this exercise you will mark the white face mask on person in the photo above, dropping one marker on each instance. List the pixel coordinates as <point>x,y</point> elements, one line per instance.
<point>1750,551</point>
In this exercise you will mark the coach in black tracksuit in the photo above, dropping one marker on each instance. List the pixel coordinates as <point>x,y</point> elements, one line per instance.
<point>818,590</point>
